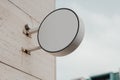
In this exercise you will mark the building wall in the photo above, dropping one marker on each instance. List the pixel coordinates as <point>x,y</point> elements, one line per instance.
<point>15,65</point>
<point>106,76</point>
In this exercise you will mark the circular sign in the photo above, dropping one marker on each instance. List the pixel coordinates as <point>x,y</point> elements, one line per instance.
<point>58,33</point>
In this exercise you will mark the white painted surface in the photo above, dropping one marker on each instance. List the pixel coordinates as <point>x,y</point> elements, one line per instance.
<point>38,9</point>
<point>12,21</point>
<point>8,73</point>
<point>58,30</point>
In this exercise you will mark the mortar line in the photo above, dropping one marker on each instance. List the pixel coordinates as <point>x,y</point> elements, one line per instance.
<point>23,10</point>
<point>20,70</point>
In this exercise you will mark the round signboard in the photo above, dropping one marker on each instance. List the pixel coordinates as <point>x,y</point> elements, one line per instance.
<point>60,32</point>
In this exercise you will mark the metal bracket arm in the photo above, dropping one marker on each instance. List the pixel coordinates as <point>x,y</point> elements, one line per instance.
<point>28,31</point>
<point>28,51</point>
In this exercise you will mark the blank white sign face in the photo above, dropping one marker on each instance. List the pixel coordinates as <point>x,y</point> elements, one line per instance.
<point>58,30</point>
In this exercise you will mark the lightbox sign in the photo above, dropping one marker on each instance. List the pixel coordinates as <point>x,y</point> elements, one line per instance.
<point>60,32</point>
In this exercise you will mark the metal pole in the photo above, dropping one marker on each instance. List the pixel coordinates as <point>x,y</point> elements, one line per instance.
<point>34,49</point>
<point>28,51</point>
<point>34,30</point>
<point>28,31</point>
